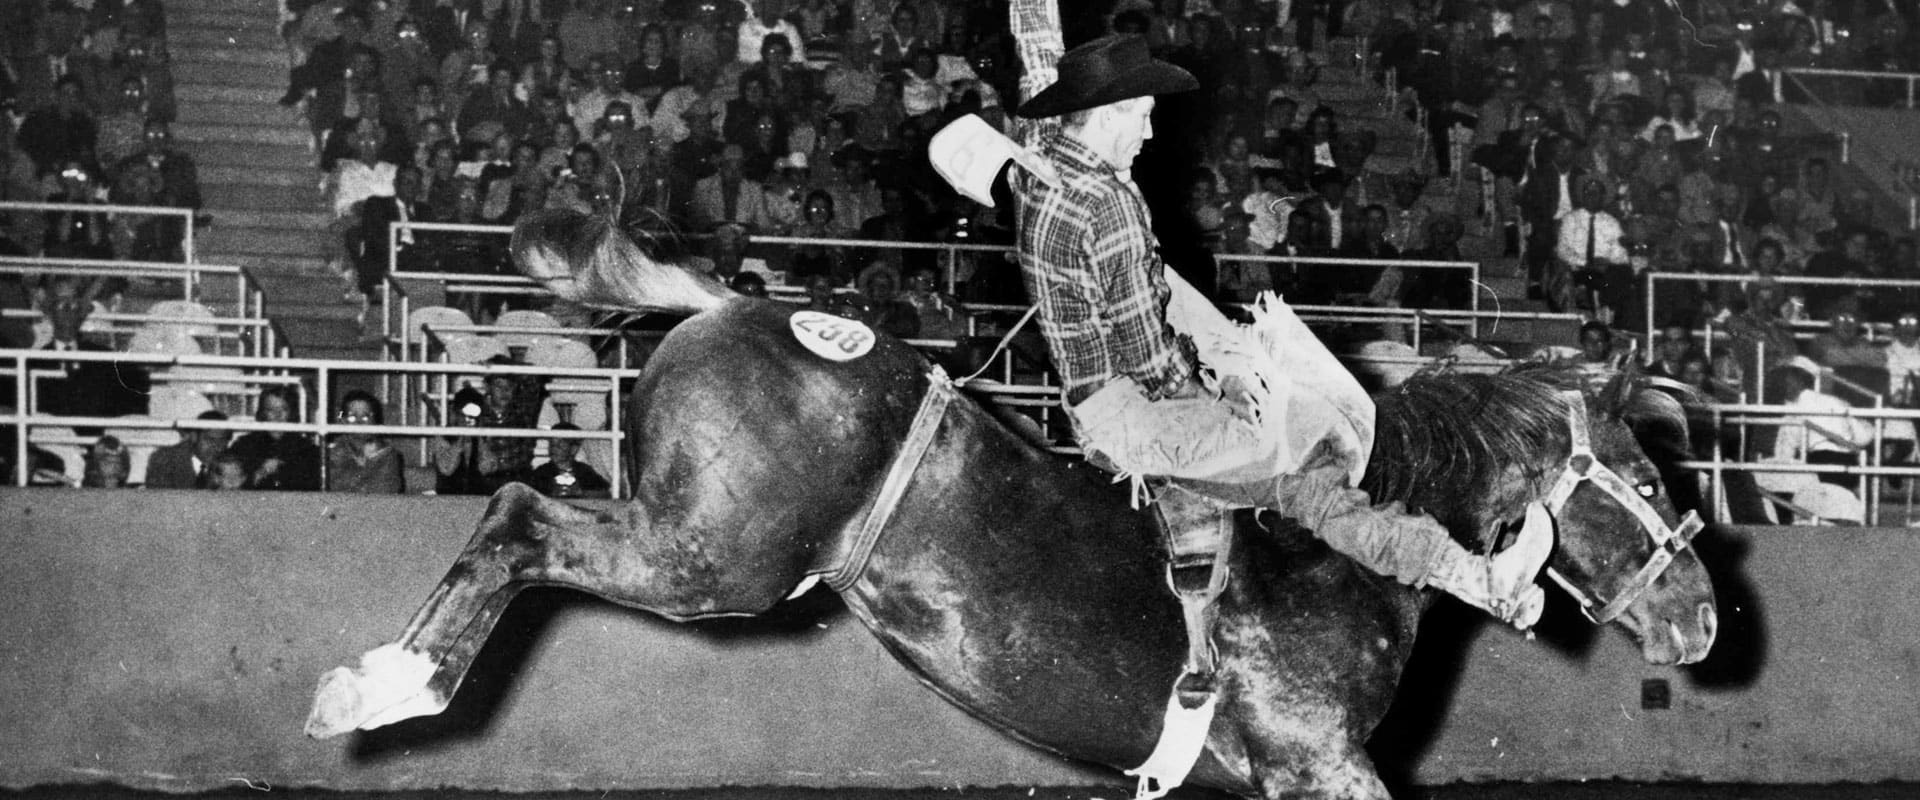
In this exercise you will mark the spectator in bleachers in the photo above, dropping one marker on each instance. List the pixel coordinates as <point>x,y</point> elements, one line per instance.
<point>1335,219</point>
<point>189,463</point>
<point>55,51</point>
<point>1713,92</point>
<point>898,41</point>
<point>1671,353</point>
<point>1844,350</point>
<point>229,474</point>
<point>329,62</point>
<point>141,237</point>
<point>20,231</point>
<point>350,103</point>
<point>575,186</point>
<point>283,461</point>
<point>1760,338</point>
<point>563,475</point>
<point>122,121</point>
<point>1820,432</point>
<point>467,67</point>
<point>729,196</point>
<point>86,388</point>
<point>1596,344</point>
<point>1545,197</point>
<point>879,304</point>
<point>427,108</point>
<point>1903,361</point>
<point>556,148</point>
<point>655,71</point>
<point>901,219</point>
<point>1440,288</point>
<point>726,254</point>
<point>1757,86</point>
<point>482,464</point>
<point>492,109</point>
<point>1408,213</point>
<point>149,60</point>
<point>352,182</point>
<point>518,28</point>
<point>940,315</point>
<point>443,24</point>
<point>63,131</point>
<point>108,463</point>
<point>360,462</point>
<point>591,108</point>
<point>406,62</point>
<point>1849,260</point>
<point>438,181</point>
<point>71,233</point>
<point>820,221</point>
<point>376,234</point>
<point>1590,267</point>
<point>179,177</point>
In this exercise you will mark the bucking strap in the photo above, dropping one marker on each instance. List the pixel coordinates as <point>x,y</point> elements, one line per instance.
<point>852,559</point>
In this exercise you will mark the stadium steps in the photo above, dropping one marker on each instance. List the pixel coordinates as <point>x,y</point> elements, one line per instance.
<point>257,170</point>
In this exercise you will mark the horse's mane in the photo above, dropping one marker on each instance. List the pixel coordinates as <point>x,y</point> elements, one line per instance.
<point>1451,444</point>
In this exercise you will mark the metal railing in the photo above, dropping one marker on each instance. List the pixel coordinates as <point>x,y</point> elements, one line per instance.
<point>1909,78</point>
<point>188,249</point>
<point>950,252</point>
<point>1654,279</point>
<point>16,364</point>
<point>251,337</point>
<point>249,301</point>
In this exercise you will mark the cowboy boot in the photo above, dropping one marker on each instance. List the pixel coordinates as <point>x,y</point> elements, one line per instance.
<point>1414,549</point>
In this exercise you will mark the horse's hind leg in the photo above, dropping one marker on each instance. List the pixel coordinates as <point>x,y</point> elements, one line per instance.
<point>526,540</point>
<point>1311,768</point>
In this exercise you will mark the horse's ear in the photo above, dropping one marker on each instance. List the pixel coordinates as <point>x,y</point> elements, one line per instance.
<point>1658,420</point>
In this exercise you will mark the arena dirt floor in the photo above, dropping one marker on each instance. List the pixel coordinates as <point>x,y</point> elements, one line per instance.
<point>1598,790</point>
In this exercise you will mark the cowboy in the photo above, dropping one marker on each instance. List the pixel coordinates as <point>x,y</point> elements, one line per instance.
<point>1160,385</point>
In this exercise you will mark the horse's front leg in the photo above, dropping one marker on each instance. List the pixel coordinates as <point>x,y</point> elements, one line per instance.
<point>525,540</point>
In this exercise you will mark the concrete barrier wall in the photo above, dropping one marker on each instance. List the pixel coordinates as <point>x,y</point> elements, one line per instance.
<point>172,640</point>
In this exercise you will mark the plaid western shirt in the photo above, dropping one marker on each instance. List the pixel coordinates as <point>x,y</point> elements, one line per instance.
<point>1087,258</point>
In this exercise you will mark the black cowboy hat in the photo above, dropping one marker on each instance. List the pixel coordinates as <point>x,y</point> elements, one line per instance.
<point>1106,70</point>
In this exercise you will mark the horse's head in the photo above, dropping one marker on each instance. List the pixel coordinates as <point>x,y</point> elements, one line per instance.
<point>1474,450</point>
<point>1623,551</point>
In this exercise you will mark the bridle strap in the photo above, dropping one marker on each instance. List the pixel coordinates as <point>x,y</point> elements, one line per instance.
<point>1584,467</point>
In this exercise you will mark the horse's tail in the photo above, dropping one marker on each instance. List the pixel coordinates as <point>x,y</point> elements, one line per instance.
<point>584,258</point>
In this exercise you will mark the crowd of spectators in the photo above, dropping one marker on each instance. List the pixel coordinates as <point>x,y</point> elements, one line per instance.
<point>1612,139</point>
<point>726,121</point>
<point>87,95</point>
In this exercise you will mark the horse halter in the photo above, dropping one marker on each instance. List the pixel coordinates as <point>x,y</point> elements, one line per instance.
<point>1584,467</point>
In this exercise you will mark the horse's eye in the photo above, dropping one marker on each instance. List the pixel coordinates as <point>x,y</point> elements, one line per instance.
<point>1648,490</point>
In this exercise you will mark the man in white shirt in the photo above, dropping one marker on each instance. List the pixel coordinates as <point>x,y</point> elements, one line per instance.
<point>1903,360</point>
<point>1591,265</point>
<point>1821,432</point>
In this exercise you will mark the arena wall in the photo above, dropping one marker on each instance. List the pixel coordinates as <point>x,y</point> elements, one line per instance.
<point>172,640</point>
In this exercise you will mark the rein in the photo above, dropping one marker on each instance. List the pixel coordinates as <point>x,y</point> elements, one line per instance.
<point>1583,467</point>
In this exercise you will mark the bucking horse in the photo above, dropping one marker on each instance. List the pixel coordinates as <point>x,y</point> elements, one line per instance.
<point>766,447</point>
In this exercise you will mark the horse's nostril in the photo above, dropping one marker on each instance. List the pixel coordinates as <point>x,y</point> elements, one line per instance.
<point>1709,620</point>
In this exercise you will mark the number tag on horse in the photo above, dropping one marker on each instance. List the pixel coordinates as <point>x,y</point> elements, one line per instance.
<point>830,337</point>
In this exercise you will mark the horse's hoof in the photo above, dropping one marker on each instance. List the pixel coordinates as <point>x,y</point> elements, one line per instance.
<point>389,685</point>
<point>336,705</point>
